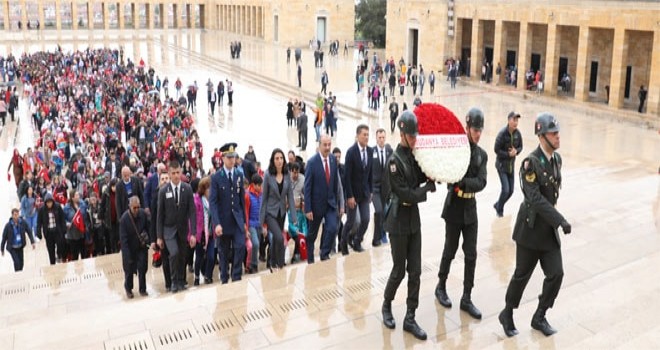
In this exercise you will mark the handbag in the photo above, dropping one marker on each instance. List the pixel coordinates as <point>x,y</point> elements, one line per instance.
<point>142,236</point>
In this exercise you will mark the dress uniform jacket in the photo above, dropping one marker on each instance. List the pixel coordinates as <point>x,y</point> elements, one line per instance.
<point>538,219</point>
<point>458,209</point>
<point>227,201</point>
<point>404,178</point>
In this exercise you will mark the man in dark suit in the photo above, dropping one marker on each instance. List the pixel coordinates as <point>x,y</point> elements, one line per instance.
<point>381,153</point>
<point>323,198</point>
<point>128,187</point>
<point>113,166</point>
<point>536,231</point>
<point>176,213</point>
<point>359,184</point>
<point>227,206</point>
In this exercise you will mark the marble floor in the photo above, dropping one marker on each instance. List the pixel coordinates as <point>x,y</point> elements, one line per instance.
<point>611,195</point>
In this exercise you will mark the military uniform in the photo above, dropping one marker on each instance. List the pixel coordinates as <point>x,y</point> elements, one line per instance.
<point>460,214</point>
<point>402,221</point>
<point>227,206</point>
<point>536,231</point>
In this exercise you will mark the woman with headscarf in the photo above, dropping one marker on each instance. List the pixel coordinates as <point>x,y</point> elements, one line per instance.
<point>17,163</point>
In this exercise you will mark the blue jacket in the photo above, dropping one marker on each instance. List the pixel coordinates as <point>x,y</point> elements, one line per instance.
<point>8,234</point>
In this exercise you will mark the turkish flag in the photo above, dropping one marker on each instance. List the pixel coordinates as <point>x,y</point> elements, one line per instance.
<point>78,222</point>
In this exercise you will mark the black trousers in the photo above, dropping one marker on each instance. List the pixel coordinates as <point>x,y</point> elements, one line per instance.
<point>51,237</point>
<point>230,97</point>
<point>452,235</point>
<point>377,200</point>
<point>526,260</point>
<point>135,262</point>
<point>17,257</point>
<point>76,247</point>
<point>406,256</point>
<point>302,139</point>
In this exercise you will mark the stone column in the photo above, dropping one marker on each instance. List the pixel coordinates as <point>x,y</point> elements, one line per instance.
<point>499,49</point>
<point>120,15</point>
<point>90,15</point>
<point>41,15</point>
<point>524,53</point>
<point>653,97</point>
<point>150,16</point>
<point>24,16</point>
<point>618,74</point>
<point>74,14</point>
<point>58,15</point>
<point>135,15</point>
<point>5,12</point>
<point>106,15</point>
<point>551,73</point>
<point>582,73</point>
<point>477,50</point>
<point>189,15</point>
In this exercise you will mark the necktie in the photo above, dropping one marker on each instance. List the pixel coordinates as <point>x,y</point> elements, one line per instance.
<point>176,195</point>
<point>364,158</point>
<point>327,171</point>
<point>230,182</point>
<point>382,159</point>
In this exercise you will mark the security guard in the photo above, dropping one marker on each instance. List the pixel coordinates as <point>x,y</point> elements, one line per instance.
<point>402,188</point>
<point>227,206</point>
<point>460,214</point>
<point>536,231</point>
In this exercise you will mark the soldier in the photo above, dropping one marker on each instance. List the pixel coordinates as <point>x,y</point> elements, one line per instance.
<point>227,205</point>
<point>536,230</point>
<point>460,214</point>
<point>401,214</point>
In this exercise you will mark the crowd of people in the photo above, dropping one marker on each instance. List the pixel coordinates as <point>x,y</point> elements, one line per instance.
<point>87,192</point>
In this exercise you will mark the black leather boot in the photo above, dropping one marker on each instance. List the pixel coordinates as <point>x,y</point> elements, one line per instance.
<point>541,324</point>
<point>441,294</point>
<point>468,306</point>
<point>388,318</point>
<point>506,319</point>
<point>411,326</point>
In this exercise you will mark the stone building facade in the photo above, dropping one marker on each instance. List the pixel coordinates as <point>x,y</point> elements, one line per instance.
<point>609,48</point>
<point>287,22</point>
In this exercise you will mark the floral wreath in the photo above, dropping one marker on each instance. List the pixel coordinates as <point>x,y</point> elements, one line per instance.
<point>442,149</point>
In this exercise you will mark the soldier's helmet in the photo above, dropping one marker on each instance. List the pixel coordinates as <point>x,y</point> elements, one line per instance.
<point>475,118</point>
<point>408,123</point>
<point>545,123</point>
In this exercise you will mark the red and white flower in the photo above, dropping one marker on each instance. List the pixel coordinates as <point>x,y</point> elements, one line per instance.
<point>442,149</point>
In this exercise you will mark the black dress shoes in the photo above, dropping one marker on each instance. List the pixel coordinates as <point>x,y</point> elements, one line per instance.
<point>541,324</point>
<point>344,248</point>
<point>144,293</point>
<point>388,318</point>
<point>208,280</point>
<point>376,243</point>
<point>468,306</point>
<point>411,326</point>
<point>358,248</point>
<point>129,294</point>
<point>196,283</point>
<point>441,295</point>
<point>506,319</point>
